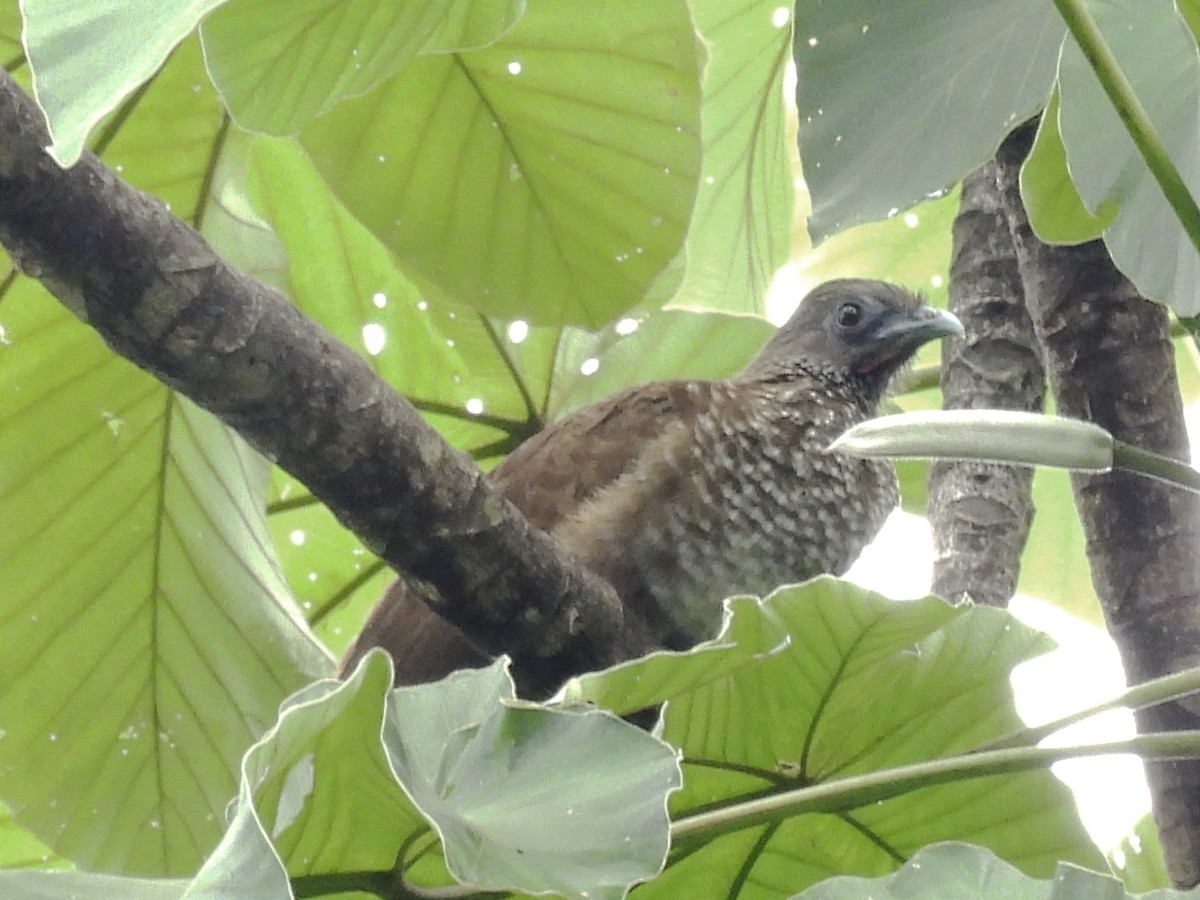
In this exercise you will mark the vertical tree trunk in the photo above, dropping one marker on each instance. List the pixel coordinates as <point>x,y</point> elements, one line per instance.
<point>1110,360</point>
<point>980,513</point>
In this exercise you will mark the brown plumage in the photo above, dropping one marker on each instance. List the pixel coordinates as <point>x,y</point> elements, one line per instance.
<point>681,493</point>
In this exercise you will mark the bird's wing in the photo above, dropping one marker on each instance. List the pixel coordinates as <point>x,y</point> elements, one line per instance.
<point>550,475</point>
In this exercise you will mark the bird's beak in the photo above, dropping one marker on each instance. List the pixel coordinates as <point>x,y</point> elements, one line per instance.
<point>898,336</point>
<point>918,327</point>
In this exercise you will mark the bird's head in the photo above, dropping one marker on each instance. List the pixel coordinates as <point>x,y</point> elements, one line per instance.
<point>854,330</point>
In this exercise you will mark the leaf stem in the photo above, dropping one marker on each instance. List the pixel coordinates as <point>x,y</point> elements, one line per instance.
<point>1148,693</point>
<point>872,787</point>
<point>1154,465</point>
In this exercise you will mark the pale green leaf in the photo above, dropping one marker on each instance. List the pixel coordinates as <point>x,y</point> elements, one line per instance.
<point>75,885</point>
<point>21,850</point>
<point>11,50</point>
<point>960,870</point>
<point>1138,858</point>
<point>549,176</point>
<point>88,57</point>
<point>280,64</point>
<point>738,235</point>
<point>911,249</point>
<point>524,796</point>
<point>1055,209</point>
<point>837,681</point>
<point>656,345</point>
<point>149,633</point>
<point>320,762</point>
<point>570,800</point>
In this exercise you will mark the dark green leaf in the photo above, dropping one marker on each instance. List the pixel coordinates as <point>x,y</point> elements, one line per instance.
<point>1157,53</point>
<point>899,100</point>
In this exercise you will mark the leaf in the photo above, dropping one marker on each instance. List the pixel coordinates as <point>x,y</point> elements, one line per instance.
<point>73,885</point>
<point>738,235</point>
<point>20,849</point>
<point>570,801</point>
<point>10,35</point>
<point>1157,53</point>
<point>149,635</point>
<point>834,681</point>
<point>87,58</point>
<point>320,762</point>
<point>1054,566</point>
<point>647,682</point>
<point>931,114</point>
<point>525,797</point>
<point>143,607</point>
<point>960,870</point>
<point>334,577</point>
<point>278,66</point>
<point>549,176</point>
<point>1138,859</point>
<point>438,356</point>
<point>1056,211</point>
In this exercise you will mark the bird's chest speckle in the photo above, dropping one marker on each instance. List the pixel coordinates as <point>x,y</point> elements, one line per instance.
<point>753,500</point>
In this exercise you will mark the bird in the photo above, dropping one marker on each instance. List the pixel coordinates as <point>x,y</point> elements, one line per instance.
<point>681,493</point>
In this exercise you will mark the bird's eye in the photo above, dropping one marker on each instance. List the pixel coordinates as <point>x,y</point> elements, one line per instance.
<point>849,315</point>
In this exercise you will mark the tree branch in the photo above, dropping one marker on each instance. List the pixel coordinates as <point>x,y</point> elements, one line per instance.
<point>1110,360</point>
<point>160,296</point>
<point>980,512</point>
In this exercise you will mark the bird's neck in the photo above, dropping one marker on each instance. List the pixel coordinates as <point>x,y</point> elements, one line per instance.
<point>864,391</point>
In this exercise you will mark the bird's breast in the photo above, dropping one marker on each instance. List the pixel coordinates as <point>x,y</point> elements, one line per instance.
<point>739,499</point>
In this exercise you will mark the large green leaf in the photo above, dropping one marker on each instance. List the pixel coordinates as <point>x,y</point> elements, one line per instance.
<point>1157,53</point>
<point>549,176</point>
<point>569,800</point>
<point>829,681</point>
<point>87,58</point>
<point>280,64</point>
<point>899,100</point>
<point>439,356</point>
<point>522,796</point>
<point>355,784</point>
<point>148,635</point>
<point>738,235</point>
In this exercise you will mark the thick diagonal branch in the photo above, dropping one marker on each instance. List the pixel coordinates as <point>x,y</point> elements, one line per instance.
<point>159,296</point>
